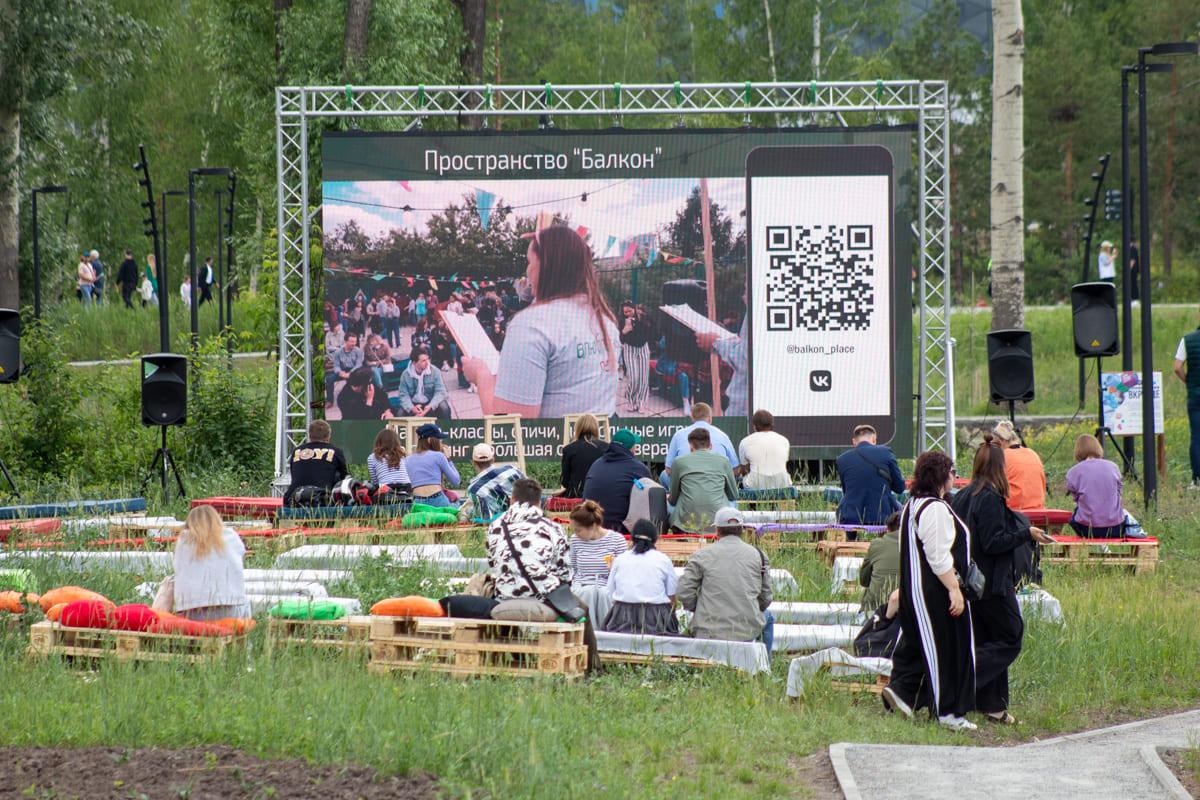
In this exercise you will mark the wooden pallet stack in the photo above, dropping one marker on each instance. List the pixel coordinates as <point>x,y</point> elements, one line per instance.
<point>468,647</point>
<point>349,634</point>
<point>680,548</point>
<point>49,638</point>
<point>1140,554</point>
<point>829,550</point>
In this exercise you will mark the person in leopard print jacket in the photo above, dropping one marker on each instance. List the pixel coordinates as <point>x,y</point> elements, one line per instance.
<point>540,541</point>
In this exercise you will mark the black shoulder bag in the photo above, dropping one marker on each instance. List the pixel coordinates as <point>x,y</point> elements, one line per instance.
<point>880,470</point>
<point>562,599</point>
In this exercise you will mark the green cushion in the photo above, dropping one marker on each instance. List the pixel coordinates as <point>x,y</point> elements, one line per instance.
<point>429,518</point>
<point>17,580</point>
<point>307,609</point>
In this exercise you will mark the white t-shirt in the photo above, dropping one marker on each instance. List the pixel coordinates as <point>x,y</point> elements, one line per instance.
<point>642,578</point>
<point>767,453</point>
<point>1181,351</point>
<point>215,580</point>
<point>185,291</point>
<point>554,357</point>
<point>1105,265</point>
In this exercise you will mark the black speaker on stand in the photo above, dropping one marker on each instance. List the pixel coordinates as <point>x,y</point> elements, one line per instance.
<point>164,403</point>
<point>1094,320</point>
<point>1010,369</point>
<point>10,366</point>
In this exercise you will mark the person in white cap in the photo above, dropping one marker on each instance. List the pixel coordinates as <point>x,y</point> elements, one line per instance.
<point>727,586</point>
<point>1104,262</point>
<point>491,489</point>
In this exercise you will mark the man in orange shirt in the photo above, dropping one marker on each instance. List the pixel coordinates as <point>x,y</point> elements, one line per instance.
<point>1024,470</point>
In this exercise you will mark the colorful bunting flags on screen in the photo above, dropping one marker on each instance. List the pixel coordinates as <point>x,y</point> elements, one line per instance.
<point>404,184</point>
<point>629,251</point>
<point>653,254</point>
<point>582,231</point>
<point>484,201</point>
<point>611,241</point>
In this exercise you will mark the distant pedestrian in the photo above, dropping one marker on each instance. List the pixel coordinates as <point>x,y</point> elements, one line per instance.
<point>150,279</point>
<point>85,280</point>
<point>207,279</point>
<point>127,278</point>
<point>98,270</point>
<point>1187,368</point>
<point>185,291</point>
<point>1105,263</point>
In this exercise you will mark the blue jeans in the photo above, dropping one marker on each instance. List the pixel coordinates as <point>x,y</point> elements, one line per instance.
<point>85,295</point>
<point>438,500</point>
<point>768,631</point>
<point>1193,410</point>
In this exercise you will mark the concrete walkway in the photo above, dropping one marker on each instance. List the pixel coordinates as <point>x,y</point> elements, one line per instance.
<point>1118,763</point>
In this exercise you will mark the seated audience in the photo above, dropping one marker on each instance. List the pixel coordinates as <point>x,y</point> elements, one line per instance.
<point>702,414</point>
<point>386,466</point>
<point>879,635</point>
<point>378,356</point>
<point>880,571</point>
<point>209,581</point>
<point>422,391</point>
<point>1096,485</point>
<point>869,475</point>
<point>342,362</point>
<point>491,488</point>
<point>593,548</point>
<point>335,339</point>
<point>579,455</point>
<point>610,479</point>
<point>701,482</point>
<point>764,455</point>
<point>642,585</point>
<point>727,586</point>
<point>1023,469</point>
<point>541,548</point>
<point>315,467</point>
<point>360,398</point>
<point>429,466</point>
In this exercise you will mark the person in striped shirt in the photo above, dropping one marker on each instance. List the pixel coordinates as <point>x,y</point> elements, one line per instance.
<point>386,466</point>
<point>492,487</point>
<point>593,548</point>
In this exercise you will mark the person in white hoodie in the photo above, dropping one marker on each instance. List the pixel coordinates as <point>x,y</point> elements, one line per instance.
<point>209,579</point>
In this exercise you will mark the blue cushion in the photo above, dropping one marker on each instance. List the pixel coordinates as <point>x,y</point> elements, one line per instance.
<point>72,508</point>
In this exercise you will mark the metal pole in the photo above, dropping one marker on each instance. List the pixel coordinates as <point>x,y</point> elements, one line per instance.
<point>195,316</point>
<point>1126,243</point>
<point>1149,467</point>
<point>229,274</point>
<point>164,318</point>
<point>220,261</point>
<point>37,264</point>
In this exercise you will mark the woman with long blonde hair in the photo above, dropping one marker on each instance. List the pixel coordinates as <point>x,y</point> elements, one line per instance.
<point>209,580</point>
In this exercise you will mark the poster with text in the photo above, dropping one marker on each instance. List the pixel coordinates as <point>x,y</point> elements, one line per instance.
<point>1122,392</point>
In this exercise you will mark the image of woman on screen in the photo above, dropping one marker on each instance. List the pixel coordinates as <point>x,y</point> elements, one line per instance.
<point>559,355</point>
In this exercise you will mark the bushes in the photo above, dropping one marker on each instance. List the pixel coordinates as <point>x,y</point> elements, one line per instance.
<point>228,424</point>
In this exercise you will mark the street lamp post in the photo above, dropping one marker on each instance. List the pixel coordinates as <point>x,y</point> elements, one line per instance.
<point>37,250</point>
<point>1149,450</point>
<point>220,273</point>
<point>164,283</point>
<point>192,175</point>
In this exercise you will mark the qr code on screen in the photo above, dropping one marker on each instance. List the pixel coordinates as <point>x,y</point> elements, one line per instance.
<point>819,277</point>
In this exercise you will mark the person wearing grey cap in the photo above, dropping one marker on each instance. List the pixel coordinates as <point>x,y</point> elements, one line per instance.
<point>727,586</point>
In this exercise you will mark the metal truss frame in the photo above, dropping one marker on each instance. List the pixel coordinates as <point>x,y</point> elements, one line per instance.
<point>927,102</point>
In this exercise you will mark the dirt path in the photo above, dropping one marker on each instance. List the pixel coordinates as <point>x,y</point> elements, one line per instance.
<point>197,773</point>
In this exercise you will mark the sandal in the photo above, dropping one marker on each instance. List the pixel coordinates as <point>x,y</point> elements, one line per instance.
<point>1001,718</point>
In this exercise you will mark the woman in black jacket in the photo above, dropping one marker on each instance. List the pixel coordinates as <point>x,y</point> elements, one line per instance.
<point>997,536</point>
<point>578,456</point>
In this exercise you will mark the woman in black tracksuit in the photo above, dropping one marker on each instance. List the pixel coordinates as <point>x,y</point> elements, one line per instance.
<point>998,536</point>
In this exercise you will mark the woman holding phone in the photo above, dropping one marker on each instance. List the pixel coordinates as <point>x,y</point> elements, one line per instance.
<point>559,355</point>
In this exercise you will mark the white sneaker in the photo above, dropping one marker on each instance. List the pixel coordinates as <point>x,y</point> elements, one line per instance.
<point>957,723</point>
<point>892,702</point>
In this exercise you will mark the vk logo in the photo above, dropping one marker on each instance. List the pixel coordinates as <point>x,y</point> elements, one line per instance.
<point>820,380</point>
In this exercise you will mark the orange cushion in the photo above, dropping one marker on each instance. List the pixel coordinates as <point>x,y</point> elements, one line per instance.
<point>410,606</point>
<point>14,602</point>
<point>86,614</point>
<point>134,617</point>
<point>65,594</point>
<point>181,626</point>
<point>54,613</point>
<point>235,624</point>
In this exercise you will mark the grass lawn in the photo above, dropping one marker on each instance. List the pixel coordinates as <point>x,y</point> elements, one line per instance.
<point>1130,648</point>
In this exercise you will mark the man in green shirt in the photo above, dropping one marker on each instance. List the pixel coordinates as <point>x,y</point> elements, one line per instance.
<point>880,571</point>
<point>701,482</point>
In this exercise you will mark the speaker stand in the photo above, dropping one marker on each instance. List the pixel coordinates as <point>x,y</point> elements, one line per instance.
<point>164,465</point>
<point>7,477</point>
<point>1102,431</point>
<point>1012,417</point>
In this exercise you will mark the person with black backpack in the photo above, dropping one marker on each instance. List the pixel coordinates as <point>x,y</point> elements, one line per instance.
<point>869,475</point>
<point>315,466</point>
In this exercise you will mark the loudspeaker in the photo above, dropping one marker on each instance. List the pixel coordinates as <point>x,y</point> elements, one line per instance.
<point>164,389</point>
<point>1094,315</point>
<point>10,345</point>
<point>1010,365</point>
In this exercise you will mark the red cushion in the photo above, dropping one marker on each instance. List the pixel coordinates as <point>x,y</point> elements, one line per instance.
<point>134,617</point>
<point>1048,516</point>
<point>86,614</point>
<point>563,503</point>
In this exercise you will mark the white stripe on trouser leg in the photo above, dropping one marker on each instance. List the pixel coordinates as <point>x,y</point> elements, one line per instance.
<point>924,624</point>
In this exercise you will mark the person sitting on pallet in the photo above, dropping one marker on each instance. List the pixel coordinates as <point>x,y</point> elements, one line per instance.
<point>315,467</point>
<point>1096,483</point>
<point>491,489</point>
<point>545,557</point>
<point>727,586</point>
<point>880,570</point>
<point>610,479</point>
<point>642,586</point>
<point>701,482</point>
<point>702,415</point>
<point>869,475</point>
<point>209,582</point>
<point>764,455</point>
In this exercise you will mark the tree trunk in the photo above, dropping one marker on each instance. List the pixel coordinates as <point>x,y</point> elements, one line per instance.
<point>354,43</point>
<point>816,42</point>
<point>281,8</point>
<point>474,22</point>
<point>1007,179</point>
<point>10,207</point>
<point>1168,204</point>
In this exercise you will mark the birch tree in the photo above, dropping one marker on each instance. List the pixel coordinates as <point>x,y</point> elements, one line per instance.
<point>1008,153</point>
